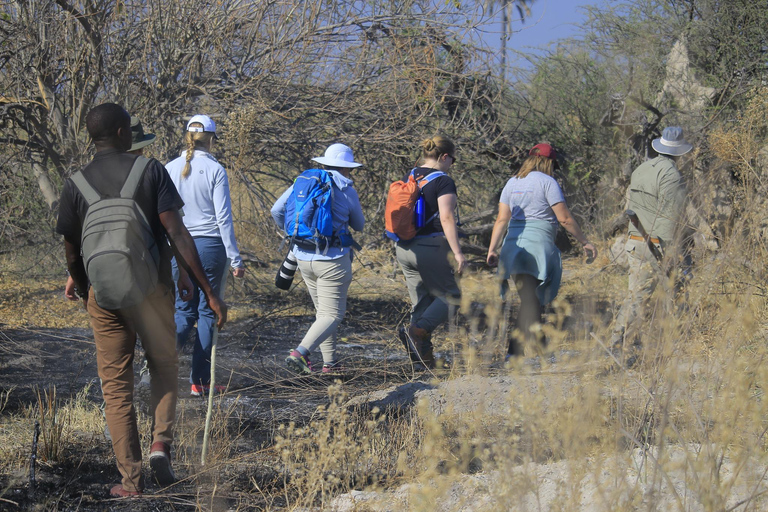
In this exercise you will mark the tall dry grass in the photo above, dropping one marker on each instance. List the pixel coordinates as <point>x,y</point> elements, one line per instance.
<point>341,450</point>
<point>684,429</point>
<point>62,421</point>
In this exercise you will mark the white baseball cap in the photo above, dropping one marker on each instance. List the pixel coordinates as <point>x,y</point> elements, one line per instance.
<point>338,155</point>
<point>207,122</point>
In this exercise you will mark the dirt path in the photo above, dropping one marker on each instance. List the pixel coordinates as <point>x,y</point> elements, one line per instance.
<point>262,394</point>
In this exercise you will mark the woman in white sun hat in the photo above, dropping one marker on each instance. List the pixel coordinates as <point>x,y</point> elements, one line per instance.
<point>327,271</point>
<point>203,185</point>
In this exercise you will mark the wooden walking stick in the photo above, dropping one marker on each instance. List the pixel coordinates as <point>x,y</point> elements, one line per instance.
<point>212,388</point>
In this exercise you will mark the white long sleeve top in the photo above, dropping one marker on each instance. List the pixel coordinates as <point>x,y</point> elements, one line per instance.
<point>207,205</point>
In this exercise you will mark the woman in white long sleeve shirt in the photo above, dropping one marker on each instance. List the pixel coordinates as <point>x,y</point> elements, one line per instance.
<point>203,185</point>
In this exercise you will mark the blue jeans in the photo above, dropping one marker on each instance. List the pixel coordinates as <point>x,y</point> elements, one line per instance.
<point>213,255</point>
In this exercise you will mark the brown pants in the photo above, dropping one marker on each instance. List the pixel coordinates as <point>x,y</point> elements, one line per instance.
<point>115,334</point>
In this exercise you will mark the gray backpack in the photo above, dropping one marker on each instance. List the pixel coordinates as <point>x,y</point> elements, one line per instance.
<point>119,250</point>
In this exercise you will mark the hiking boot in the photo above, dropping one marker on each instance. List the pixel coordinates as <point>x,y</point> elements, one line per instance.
<point>118,492</point>
<point>298,363</point>
<point>204,389</point>
<point>427,356</point>
<point>160,464</point>
<point>420,344</point>
<point>412,354</point>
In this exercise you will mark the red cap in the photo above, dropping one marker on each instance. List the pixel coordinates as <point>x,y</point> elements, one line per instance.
<point>544,150</point>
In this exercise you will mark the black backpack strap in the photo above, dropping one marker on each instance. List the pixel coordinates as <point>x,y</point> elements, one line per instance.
<point>134,177</point>
<point>89,193</point>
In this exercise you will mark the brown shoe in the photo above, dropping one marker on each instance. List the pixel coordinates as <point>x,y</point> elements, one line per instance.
<point>427,357</point>
<point>410,346</point>
<point>118,492</point>
<point>419,343</point>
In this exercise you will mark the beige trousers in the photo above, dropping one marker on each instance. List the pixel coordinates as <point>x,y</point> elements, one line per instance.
<point>115,334</point>
<point>327,282</point>
<point>645,274</point>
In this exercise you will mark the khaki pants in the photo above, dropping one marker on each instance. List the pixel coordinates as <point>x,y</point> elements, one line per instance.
<point>328,282</point>
<point>644,275</point>
<point>431,283</point>
<point>115,334</point>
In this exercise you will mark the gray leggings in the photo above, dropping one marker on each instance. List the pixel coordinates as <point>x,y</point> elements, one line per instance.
<point>435,295</point>
<point>328,282</point>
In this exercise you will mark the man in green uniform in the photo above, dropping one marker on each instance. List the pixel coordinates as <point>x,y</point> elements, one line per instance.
<point>657,195</point>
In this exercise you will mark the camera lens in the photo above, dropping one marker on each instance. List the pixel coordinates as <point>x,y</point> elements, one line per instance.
<point>285,274</point>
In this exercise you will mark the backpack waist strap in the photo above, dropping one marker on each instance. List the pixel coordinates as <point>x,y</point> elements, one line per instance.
<point>311,244</point>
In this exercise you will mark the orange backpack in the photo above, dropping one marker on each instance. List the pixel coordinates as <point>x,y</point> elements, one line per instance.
<point>400,212</point>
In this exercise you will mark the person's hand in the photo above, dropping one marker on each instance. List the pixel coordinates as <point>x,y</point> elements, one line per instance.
<point>219,309</point>
<point>461,262</point>
<point>69,290</point>
<point>492,259</point>
<point>590,251</point>
<point>186,287</point>
<point>238,272</point>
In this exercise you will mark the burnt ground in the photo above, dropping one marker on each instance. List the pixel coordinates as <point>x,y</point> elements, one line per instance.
<point>262,394</point>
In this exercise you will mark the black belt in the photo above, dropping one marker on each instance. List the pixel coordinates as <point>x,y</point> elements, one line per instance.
<point>311,245</point>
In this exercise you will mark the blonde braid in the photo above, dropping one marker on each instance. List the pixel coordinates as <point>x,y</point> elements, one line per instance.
<point>190,155</point>
<point>193,141</point>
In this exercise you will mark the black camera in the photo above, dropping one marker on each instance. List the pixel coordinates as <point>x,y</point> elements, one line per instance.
<point>285,274</point>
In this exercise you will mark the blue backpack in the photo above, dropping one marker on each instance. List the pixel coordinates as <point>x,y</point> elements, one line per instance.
<point>308,211</point>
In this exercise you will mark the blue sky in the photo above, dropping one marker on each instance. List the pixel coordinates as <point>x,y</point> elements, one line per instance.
<point>549,20</point>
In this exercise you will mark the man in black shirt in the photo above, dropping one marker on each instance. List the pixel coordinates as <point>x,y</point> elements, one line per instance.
<point>109,125</point>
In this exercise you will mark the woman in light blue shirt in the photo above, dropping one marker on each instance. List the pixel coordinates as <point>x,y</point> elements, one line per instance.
<point>203,185</point>
<point>530,208</point>
<point>327,271</point>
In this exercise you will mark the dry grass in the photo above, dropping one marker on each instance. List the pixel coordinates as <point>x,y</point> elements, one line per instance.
<point>26,302</point>
<point>685,429</point>
<point>66,427</point>
<point>341,450</point>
